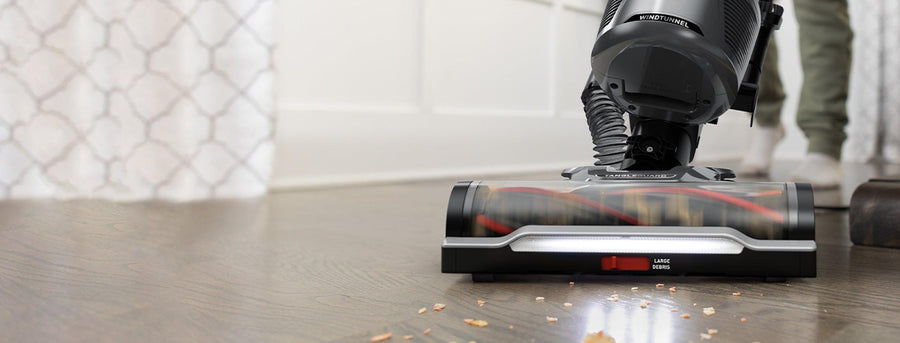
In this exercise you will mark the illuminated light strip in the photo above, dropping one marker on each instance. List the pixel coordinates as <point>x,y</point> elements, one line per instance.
<point>627,245</point>
<point>643,232</point>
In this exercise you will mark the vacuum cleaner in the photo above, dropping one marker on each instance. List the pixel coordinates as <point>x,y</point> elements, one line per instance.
<point>671,67</point>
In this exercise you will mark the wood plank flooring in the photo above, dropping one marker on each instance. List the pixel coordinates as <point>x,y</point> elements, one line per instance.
<point>345,264</point>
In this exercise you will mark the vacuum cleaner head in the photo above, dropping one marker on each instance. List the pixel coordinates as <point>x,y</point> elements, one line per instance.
<point>685,221</point>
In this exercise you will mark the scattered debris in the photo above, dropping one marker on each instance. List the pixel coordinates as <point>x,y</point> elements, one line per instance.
<point>644,303</point>
<point>552,319</point>
<point>427,331</point>
<point>382,337</point>
<point>712,331</point>
<point>634,288</point>
<point>743,320</point>
<point>708,311</point>
<point>480,302</point>
<point>614,297</point>
<point>659,285</point>
<point>407,337</point>
<point>671,289</point>
<point>686,316</point>
<point>737,294</point>
<point>539,299</point>
<point>438,307</point>
<point>598,337</point>
<point>705,336</point>
<point>422,310</point>
<point>567,304</point>
<point>479,323</point>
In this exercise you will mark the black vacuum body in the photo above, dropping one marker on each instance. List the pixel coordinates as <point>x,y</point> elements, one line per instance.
<point>667,61</point>
<point>671,66</point>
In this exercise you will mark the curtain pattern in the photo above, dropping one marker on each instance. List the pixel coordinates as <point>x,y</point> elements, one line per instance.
<point>136,99</point>
<point>874,99</point>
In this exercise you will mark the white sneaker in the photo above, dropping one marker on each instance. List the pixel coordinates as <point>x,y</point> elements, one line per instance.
<point>819,170</point>
<point>758,158</point>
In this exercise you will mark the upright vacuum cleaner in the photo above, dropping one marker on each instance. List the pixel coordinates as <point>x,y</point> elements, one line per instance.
<point>671,66</point>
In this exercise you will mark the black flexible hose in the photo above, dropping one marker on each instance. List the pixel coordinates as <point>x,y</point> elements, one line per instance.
<point>607,125</point>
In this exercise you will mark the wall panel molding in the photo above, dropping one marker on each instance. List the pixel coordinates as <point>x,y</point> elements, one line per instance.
<point>423,69</point>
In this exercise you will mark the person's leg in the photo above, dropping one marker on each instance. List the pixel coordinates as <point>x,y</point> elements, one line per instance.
<point>825,43</point>
<point>771,92</point>
<point>768,131</point>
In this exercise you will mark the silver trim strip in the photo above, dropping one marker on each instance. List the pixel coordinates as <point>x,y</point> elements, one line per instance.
<point>628,231</point>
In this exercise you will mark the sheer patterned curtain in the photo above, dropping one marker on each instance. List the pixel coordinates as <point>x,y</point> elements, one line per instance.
<point>874,103</point>
<point>136,99</point>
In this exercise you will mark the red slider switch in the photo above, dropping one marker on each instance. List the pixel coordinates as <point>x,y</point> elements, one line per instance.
<point>625,263</point>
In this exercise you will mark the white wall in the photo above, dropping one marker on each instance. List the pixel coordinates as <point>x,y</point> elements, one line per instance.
<point>410,89</point>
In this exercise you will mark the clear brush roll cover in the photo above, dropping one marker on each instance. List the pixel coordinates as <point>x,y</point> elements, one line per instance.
<point>757,209</point>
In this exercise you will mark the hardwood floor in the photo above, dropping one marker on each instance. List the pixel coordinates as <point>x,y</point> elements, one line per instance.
<point>346,264</point>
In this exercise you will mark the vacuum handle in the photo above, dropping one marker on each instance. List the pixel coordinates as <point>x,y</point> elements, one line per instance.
<point>749,90</point>
<point>770,21</point>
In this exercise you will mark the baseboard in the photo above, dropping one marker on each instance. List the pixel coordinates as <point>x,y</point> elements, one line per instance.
<point>318,182</point>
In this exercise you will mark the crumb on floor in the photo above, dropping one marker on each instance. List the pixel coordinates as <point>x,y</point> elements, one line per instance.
<point>382,337</point>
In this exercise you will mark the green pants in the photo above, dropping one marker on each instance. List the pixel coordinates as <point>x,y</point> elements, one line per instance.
<point>825,37</point>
